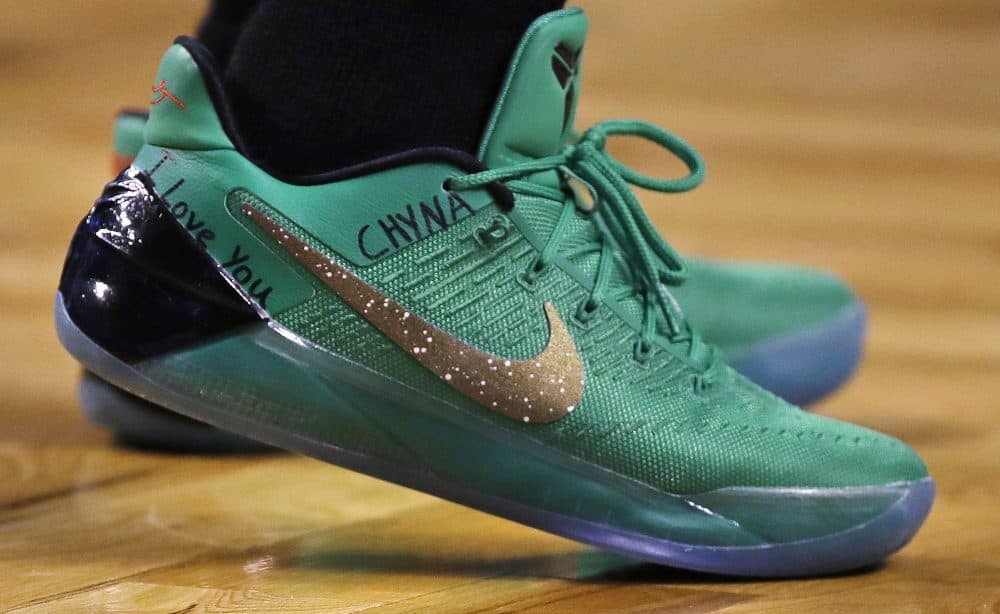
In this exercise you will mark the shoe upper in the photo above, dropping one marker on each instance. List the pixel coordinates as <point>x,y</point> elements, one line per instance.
<point>670,414</point>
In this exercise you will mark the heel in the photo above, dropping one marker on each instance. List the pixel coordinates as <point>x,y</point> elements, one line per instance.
<point>138,284</point>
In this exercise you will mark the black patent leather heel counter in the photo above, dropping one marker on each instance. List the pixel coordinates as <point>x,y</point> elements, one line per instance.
<point>138,284</point>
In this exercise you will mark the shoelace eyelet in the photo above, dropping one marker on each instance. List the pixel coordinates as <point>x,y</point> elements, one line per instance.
<point>529,276</point>
<point>585,314</point>
<point>641,351</point>
<point>701,384</point>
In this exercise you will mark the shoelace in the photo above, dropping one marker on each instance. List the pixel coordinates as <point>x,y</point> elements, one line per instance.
<point>623,225</point>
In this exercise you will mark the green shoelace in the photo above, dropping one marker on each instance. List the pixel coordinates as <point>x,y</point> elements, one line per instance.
<point>622,225</point>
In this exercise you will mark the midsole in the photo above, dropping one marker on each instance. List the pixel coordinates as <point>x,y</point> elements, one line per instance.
<point>266,380</point>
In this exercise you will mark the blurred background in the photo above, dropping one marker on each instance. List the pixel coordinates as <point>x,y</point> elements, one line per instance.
<point>860,137</point>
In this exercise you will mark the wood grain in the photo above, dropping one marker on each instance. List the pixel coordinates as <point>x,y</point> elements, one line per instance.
<point>859,137</point>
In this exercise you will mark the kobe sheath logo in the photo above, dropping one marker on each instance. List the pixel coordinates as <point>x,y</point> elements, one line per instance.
<point>565,65</point>
<point>543,388</point>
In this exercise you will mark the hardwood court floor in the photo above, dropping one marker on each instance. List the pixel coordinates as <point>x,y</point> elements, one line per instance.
<point>861,137</point>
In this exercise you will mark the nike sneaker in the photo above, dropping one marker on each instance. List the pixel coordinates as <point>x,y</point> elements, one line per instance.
<point>797,332</point>
<point>501,331</point>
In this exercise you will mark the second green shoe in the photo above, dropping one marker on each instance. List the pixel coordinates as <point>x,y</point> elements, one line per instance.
<point>503,334</point>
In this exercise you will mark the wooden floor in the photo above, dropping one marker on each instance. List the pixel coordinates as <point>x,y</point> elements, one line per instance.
<point>863,137</point>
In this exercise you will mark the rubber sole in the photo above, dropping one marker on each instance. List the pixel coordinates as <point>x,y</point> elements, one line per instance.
<point>807,365</point>
<point>860,545</point>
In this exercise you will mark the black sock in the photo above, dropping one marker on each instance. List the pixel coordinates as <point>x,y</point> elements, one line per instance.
<point>315,86</point>
<point>221,26</point>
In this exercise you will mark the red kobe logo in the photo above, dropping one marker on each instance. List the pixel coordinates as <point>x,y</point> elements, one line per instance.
<point>165,94</point>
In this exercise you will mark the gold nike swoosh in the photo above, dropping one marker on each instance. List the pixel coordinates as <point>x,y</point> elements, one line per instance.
<point>541,389</point>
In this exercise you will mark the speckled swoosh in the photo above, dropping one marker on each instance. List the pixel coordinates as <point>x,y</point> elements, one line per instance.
<point>540,389</point>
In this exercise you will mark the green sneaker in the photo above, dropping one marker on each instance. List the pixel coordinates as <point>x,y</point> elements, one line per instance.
<point>796,332</point>
<point>503,334</point>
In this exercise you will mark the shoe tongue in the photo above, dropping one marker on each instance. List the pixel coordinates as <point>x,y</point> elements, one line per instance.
<point>534,112</point>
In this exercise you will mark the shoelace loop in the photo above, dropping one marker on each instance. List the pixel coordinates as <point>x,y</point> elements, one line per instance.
<point>657,265</point>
